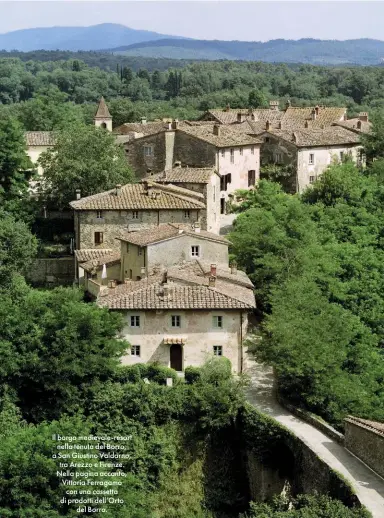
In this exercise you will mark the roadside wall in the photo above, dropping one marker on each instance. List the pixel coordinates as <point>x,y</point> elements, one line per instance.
<point>53,271</point>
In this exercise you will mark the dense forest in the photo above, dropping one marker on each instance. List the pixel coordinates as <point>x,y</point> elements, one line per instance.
<point>44,95</point>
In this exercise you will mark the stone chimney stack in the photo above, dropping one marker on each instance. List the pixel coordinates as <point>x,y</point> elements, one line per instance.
<point>212,281</point>
<point>175,124</point>
<point>317,108</point>
<point>213,270</point>
<point>359,124</point>
<point>118,189</point>
<point>241,117</point>
<point>267,126</point>
<point>314,114</point>
<point>216,129</point>
<point>274,105</point>
<point>287,104</point>
<point>363,116</point>
<point>234,268</point>
<point>165,290</point>
<point>143,120</point>
<point>306,124</point>
<point>78,194</point>
<point>227,108</point>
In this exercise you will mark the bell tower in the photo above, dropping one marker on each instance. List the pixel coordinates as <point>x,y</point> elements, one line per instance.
<point>103,118</point>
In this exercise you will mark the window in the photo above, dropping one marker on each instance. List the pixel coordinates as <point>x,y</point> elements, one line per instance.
<point>187,214</point>
<point>218,322</point>
<point>135,214</point>
<point>278,158</point>
<point>218,350</point>
<point>135,350</point>
<point>98,238</point>
<point>241,151</point>
<point>99,214</point>
<point>311,160</point>
<point>252,150</point>
<point>224,181</point>
<point>223,153</point>
<point>176,321</point>
<point>195,251</point>
<point>341,156</point>
<point>232,156</point>
<point>139,251</point>
<point>148,151</point>
<point>135,321</point>
<point>311,179</point>
<point>266,139</point>
<point>251,178</point>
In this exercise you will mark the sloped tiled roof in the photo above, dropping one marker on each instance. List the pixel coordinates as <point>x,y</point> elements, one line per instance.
<point>353,124</point>
<point>330,136</point>
<point>136,197</point>
<point>184,175</point>
<point>227,137</point>
<point>40,138</point>
<point>88,254</point>
<point>229,116</point>
<point>325,117</point>
<point>149,128</point>
<point>167,231</point>
<point>102,110</point>
<point>107,259</point>
<point>190,291</point>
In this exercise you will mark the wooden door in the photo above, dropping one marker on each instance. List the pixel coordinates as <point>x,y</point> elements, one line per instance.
<point>176,357</point>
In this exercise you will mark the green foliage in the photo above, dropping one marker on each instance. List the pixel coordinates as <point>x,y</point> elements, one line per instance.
<point>192,374</point>
<point>304,506</point>
<point>256,99</point>
<point>85,158</point>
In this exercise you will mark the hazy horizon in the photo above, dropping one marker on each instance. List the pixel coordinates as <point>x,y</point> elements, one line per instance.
<point>209,20</point>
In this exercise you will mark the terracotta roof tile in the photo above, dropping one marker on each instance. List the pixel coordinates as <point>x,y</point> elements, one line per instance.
<point>135,196</point>
<point>102,110</point>
<point>149,128</point>
<point>330,136</point>
<point>184,175</point>
<point>365,423</point>
<point>167,231</point>
<point>227,137</point>
<point>107,259</point>
<point>326,115</point>
<point>353,124</point>
<point>91,253</point>
<point>40,138</point>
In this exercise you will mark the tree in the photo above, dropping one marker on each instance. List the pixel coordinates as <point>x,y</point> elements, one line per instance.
<point>15,166</point>
<point>85,158</point>
<point>256,99</point>
<point>373,141</point>
<point>54,348</point>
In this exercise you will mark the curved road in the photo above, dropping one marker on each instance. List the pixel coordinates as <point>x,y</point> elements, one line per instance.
<point>368,486</point>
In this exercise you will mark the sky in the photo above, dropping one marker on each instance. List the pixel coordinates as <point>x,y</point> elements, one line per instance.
<point>224,20</point>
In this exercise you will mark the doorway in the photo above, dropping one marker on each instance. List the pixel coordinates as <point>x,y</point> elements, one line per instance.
<point>176,357</point>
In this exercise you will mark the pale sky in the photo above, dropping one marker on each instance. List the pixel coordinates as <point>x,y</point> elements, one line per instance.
<point>224,20</point>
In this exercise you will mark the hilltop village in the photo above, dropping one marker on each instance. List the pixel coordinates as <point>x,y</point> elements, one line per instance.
<point>156,249</point>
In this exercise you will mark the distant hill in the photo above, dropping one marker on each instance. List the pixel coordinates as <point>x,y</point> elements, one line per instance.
<point>317,52</point>
<point>95,37</point>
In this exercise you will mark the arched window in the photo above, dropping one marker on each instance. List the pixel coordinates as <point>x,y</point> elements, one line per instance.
<point>103,125</point>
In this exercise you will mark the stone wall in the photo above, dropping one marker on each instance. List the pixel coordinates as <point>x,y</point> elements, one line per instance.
<point>193,152</point>
<point>52,271</point>
<point>366,443</point>
<point>277,460</point>
<point>140,163</point>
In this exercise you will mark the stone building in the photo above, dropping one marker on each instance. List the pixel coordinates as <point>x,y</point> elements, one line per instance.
<point>100,218</point>
<point>37,142</point>
<point>102,118</point>
<point>308,152</point>
<point>365,439</point>
<point>234,154</point>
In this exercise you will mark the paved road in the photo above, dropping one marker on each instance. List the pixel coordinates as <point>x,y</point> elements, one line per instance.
<point>368,486</point>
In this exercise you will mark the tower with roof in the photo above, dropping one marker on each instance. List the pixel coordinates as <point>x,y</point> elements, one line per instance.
<point>103,118</point>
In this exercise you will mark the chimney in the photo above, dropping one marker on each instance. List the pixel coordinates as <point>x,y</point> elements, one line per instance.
<point>241,117</point>
<point>279,125</point>
<point>216,130</point>
<point>118,189</point>
<point>197,227</point>
<point>112,284</point>
<point>143,120</point>
<point>165,290</point>
<point>169,125</point>
<point>274,105</point>
<point>359,124</point>
<point>306,124</point>
<point>211,281</point>
<point>145,185</point>
<point>78,194</point>
<point>287,104</point>
<point>213,270</point>
<point>363,116</point>
<point>317,110</point>
<point>234,268</point>
<point>345,117</point>
<point>314,114</point>
<point>294,137</point>
<point>267,126</point>
<point>227,108</point>
<point>175,124</point>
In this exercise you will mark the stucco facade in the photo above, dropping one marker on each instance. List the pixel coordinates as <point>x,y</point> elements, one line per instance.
<point>34,153</point>
<point>196,328</point>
